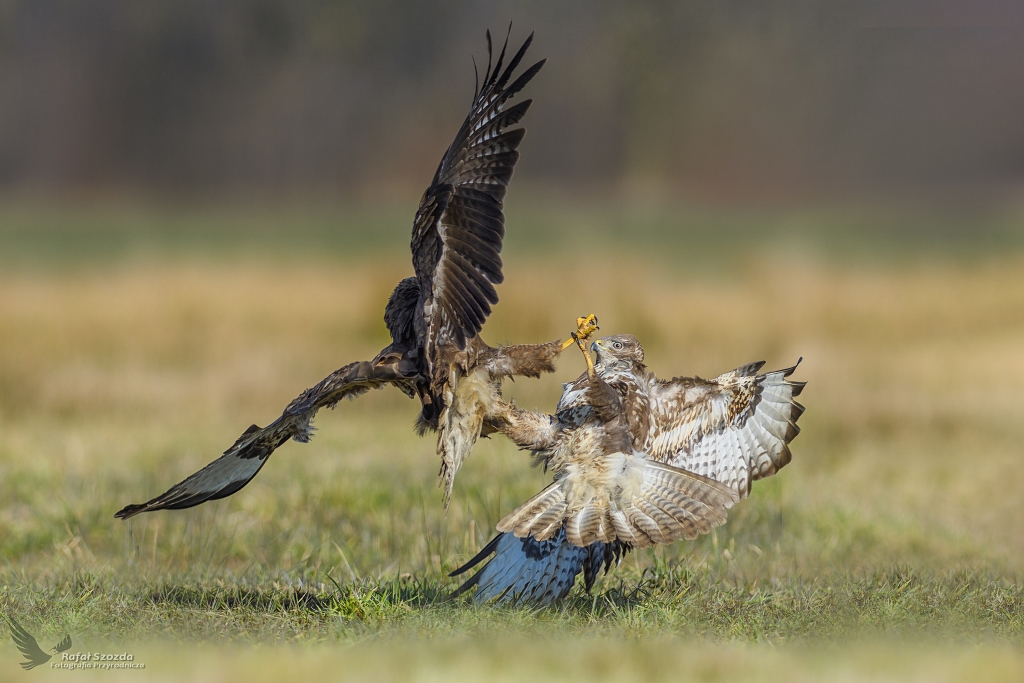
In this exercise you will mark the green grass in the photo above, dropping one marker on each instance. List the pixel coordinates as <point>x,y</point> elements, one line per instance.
<point>683,600</point>
<point>889,549</point>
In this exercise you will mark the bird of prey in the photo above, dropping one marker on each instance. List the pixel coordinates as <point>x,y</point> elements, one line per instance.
<point>604,489</point>
<point>34,655</point>
<point>434,317</point>
<point>734,429</point>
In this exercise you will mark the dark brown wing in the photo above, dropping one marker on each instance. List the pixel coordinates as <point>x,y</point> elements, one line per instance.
<point>459,227</point>
<point>240,463</point>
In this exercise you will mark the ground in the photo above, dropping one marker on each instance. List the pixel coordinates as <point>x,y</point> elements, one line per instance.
<point>130,356</point>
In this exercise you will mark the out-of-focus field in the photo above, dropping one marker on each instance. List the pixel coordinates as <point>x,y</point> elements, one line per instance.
<point>126,367</point>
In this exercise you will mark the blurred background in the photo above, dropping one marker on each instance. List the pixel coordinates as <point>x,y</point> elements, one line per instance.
<point>708,101</point>
<point>204,206</point>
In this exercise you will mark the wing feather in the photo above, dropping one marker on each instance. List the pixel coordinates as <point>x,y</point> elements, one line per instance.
<point>534,515</point>
<point>524,570</point>
<point>246,457</point>
<point>735,428</point>
<point>645,502</point>
<point>462,210</point>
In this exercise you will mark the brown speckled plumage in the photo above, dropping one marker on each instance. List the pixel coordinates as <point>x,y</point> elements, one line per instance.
<point>604,489</point>
<point>734,429</point>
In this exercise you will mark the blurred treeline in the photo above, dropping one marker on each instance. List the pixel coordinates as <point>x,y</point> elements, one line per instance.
<point>717,99</point>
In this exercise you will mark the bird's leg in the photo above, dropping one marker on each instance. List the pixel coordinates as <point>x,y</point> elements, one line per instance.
<point>591,373</point>
<point>585,327</point>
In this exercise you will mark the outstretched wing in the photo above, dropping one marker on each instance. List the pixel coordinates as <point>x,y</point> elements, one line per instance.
<point>28,646</point>
<point>643,503</point>
<point>524,570</point>
<point>63,645</point>
<point>459,227</point>
<point>240,463</point>
<point>734,429</point>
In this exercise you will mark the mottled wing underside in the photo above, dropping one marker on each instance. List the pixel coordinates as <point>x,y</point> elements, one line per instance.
<point>734,429</point>
<point>642,503</point>
<point>240,463</point>
<point>459,227</point>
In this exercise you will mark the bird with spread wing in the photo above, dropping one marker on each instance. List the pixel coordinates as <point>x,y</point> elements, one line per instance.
<point>604,489</point>
<point>434,317</point>
<point>27,645</point>
<point>733,430</point>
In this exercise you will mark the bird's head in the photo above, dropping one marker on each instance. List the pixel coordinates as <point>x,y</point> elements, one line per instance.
<point>618,351</point>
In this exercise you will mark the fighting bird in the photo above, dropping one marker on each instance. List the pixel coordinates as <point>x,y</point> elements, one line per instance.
<point>734,429</point>
<point>434,317</point>
<point>34,655</point>
<point>604,489</point>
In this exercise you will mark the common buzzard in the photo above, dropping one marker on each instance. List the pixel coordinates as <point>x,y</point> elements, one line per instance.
<point>606,490</point>
<point>434,317</point>
<point>733,429</point>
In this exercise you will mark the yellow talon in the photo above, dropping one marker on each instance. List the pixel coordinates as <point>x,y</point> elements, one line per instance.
<point>585,327</point>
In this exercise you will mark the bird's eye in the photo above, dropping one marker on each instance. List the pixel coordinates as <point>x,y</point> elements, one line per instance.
<point>618,345</point>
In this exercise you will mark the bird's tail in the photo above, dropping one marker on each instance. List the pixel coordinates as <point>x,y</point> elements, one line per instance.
<point>468,399</point>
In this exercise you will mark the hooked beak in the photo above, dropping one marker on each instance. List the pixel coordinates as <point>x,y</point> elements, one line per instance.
<point>594,346</point>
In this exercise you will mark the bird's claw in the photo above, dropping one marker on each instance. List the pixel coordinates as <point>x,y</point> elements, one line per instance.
<point>585,327</point>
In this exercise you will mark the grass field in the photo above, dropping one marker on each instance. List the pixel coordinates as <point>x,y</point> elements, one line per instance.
<point>889,549</point>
